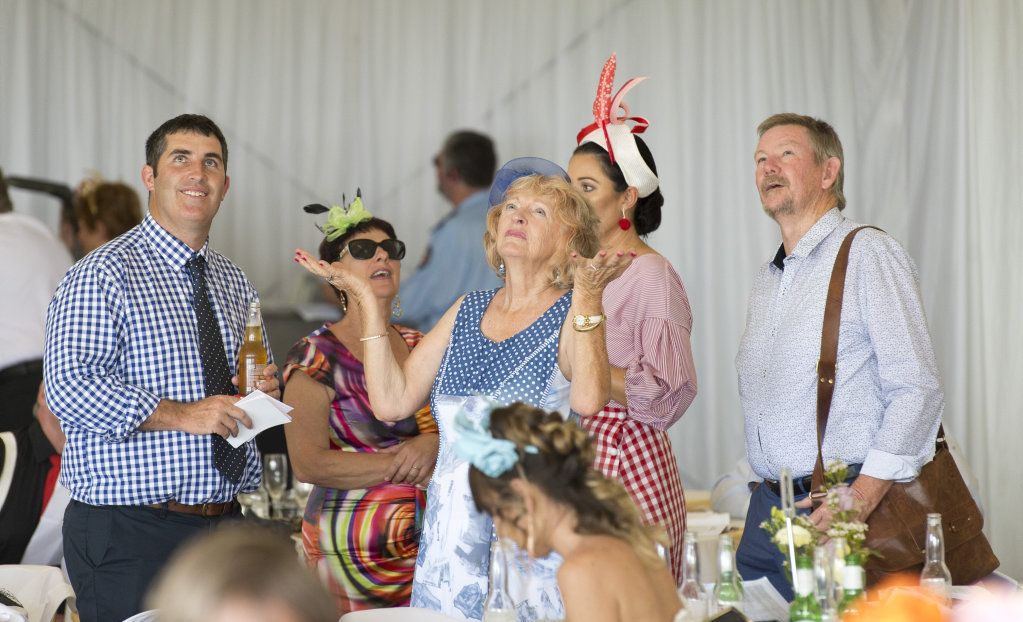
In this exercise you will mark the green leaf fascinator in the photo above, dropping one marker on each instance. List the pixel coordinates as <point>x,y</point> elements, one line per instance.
<point>340,219</point>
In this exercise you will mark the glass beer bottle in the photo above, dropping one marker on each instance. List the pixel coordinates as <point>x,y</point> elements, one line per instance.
<point>693,596</point>
<point>499,606</point>
<point>728,591</point>
<point>853,581</point>
<point>252,355</point>
<point>805,607</point>
<point>935,576</point>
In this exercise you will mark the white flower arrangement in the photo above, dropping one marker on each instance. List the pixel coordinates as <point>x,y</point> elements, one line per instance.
<point>801,537</point>
<point>804,534</point>
<point>845,511</point>
<point>844,508</point>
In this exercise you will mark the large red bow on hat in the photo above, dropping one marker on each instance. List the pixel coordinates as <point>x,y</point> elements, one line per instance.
<point>609,110</point>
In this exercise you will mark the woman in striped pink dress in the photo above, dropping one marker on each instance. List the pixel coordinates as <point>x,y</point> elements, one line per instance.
<point>653,378</point>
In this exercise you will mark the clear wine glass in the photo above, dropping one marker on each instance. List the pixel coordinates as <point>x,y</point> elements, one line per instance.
<point>301,490</point>
<point>255,503</point>
<point>275,479</point>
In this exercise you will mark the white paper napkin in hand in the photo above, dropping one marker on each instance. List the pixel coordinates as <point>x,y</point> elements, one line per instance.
<point>265,412</point>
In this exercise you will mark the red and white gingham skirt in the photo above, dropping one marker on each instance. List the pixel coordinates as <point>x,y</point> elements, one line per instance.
<point>641,458</point>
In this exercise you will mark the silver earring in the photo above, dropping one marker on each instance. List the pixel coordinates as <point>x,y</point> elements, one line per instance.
<point>500,270</point>
<point>530,540</point>
<point>343,299</point>
<point>396,308</point>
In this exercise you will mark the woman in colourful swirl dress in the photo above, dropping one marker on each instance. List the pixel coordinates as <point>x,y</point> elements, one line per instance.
<point>362,521</point>
<point>539,339</point>
<point>653,378</point>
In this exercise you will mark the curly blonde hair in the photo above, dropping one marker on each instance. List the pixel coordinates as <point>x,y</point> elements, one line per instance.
<point>562,470</point>
<point>568,209</point>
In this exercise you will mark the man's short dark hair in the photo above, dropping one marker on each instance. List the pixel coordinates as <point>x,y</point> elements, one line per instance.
<point>472,156</point>
<point>5,199</point>
<point>190,123</point>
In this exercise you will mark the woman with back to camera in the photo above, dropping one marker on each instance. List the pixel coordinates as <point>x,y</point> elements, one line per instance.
<point>361,524</point>
<point>653,377</point>
<point>532,472</point>
<point>539,339</point>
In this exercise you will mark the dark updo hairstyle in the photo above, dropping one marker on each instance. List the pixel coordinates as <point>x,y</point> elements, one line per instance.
<point>647,214</point>
<point>562,469</point>
<point>330,250</point>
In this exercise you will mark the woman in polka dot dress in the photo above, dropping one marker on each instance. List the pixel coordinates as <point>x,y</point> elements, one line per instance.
<point>539,339</point>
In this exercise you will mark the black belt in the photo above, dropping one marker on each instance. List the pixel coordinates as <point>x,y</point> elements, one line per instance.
<point>33,367</point>
<point>804,485</point>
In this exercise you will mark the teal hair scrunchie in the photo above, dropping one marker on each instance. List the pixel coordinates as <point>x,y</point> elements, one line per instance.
<point>476,445</point>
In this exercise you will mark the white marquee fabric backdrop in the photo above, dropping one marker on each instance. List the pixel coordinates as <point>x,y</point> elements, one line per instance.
<point>319,97</point>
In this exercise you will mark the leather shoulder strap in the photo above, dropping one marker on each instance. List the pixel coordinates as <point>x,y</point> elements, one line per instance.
<point>829,348</point>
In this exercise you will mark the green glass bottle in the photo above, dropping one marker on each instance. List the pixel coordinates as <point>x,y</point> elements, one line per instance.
<point>853,578</point>
<point>728,591</point>
<point>805,607</point>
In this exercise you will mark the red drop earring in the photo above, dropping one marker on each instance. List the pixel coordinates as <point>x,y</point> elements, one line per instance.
<point>624,224</point>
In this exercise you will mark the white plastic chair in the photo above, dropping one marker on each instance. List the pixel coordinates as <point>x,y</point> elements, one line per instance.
<point>46,547</point>
<point>146,616</point>
<point>41,589</point>
<point>396,614</point>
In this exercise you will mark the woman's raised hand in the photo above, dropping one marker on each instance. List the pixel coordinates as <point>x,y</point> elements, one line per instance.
<point>593,275</point>
<point>357,289</point>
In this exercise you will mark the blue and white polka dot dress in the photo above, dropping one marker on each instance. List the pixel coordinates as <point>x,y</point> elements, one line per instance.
<point>454,552</point>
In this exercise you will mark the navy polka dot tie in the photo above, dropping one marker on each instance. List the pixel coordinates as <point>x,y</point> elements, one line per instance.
<point>216,375</point>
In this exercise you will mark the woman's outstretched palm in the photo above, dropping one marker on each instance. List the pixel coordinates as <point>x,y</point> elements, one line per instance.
<point>357,289</point>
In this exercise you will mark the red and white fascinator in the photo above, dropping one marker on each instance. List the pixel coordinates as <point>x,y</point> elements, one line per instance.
<point>610,130</point>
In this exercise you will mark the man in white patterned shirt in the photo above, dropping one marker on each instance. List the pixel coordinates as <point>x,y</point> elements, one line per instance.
<point>125,376</point>
<point>887,401</point>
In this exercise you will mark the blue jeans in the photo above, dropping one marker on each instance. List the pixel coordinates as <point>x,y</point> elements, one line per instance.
<point>757,556</point>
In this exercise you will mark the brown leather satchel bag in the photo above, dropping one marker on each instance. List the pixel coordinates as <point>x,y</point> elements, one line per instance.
<point>897,527</point>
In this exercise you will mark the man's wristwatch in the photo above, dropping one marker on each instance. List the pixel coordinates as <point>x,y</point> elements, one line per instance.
<point>586,323</point>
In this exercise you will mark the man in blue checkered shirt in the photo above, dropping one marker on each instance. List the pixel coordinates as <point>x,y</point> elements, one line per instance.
<point>124,374</point>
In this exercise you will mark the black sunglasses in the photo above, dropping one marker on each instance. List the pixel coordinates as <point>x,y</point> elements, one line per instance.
<point>366,249</point>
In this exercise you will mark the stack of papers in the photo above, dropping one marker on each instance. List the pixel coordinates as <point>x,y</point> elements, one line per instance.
<point>265,412</point>
<point>760,601</point>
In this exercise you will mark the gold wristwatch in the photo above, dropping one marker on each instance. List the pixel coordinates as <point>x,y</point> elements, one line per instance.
<point>586,323</point>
